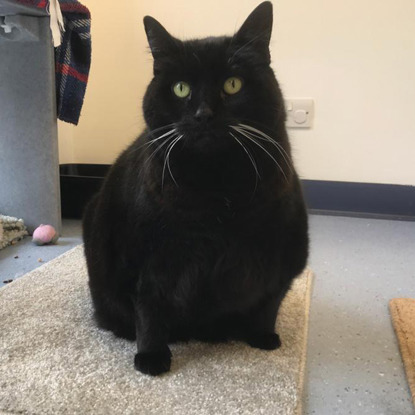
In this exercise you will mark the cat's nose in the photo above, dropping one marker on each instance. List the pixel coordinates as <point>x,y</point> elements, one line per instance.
<point>204,113</point>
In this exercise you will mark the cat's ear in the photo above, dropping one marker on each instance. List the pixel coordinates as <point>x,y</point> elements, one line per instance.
<point>257,28</point>
<point>161,43</point>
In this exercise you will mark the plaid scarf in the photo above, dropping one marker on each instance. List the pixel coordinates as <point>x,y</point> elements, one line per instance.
<point>40,4</point>
<point>72,57</point>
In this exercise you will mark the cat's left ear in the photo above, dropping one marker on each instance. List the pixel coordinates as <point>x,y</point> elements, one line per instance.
<point>257,28</point>
<point>161,43</point>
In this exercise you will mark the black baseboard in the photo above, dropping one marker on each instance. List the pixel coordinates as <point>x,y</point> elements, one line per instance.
<point>360,199</point>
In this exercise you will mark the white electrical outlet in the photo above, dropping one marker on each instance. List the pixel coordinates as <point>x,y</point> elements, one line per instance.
<point>300,112</point>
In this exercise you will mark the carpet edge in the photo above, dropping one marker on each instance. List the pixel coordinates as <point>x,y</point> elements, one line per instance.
<point>403,346</point>
<point>40,268</point>
<point>301,372</point>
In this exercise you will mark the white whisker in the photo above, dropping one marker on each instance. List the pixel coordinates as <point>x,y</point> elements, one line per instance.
<point>257,176</point>
<point>249,155</point>
<point>167,162</point>
<point>158,148</point>
<point>154,140</point>
<point>252,139</point>
<point>262,136</point>
<point>168,158</point>
<point>161,128</point>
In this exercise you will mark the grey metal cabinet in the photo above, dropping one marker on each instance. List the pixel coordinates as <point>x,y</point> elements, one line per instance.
<point>29,165</point>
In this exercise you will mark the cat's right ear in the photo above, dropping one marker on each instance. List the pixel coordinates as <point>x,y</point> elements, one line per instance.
<point>161,43</point>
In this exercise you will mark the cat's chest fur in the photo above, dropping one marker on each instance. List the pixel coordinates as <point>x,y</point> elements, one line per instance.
<point>221,256</point>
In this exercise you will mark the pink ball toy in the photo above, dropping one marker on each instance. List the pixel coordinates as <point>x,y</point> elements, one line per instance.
<point>45,234</point>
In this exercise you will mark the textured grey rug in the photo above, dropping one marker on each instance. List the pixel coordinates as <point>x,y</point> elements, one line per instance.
<point>53,360</point>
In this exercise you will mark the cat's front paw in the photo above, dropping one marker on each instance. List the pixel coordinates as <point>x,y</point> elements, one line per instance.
<point>153,363</point>
<point>265,341</point>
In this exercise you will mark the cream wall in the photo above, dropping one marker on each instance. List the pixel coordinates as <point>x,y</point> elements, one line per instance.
<point>66,146</point>
<point>355,59</point>
<point>111,115</point>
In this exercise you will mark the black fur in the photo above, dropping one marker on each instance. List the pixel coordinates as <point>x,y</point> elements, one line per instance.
<point>208,250</point>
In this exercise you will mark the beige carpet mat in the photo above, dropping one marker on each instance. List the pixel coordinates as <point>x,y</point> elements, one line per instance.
<point>53,360</point>
<point>403,319</point>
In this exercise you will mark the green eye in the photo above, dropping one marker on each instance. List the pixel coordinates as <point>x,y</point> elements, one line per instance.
<point>232,85</point>
<point>181,89</point>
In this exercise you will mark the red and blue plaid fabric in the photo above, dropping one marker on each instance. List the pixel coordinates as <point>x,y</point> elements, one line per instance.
<point>40,4</point>
<point>72,57</point>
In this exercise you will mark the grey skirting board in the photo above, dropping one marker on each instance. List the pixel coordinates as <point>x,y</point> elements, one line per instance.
<point>360,199</point>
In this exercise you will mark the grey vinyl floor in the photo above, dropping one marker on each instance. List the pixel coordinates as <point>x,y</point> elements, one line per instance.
<point>353,361</point>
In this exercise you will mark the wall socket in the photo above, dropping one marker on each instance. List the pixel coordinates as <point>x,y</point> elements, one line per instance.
<point>300,112</point>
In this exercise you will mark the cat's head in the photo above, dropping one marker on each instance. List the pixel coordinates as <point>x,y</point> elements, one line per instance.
<point>203,87</point>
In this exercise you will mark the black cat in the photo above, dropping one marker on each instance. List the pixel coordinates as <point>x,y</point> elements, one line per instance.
<point>200,226</point>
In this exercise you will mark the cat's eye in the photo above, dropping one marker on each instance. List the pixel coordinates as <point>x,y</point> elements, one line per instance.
<point>232,85</point>
<point>181,89</point>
